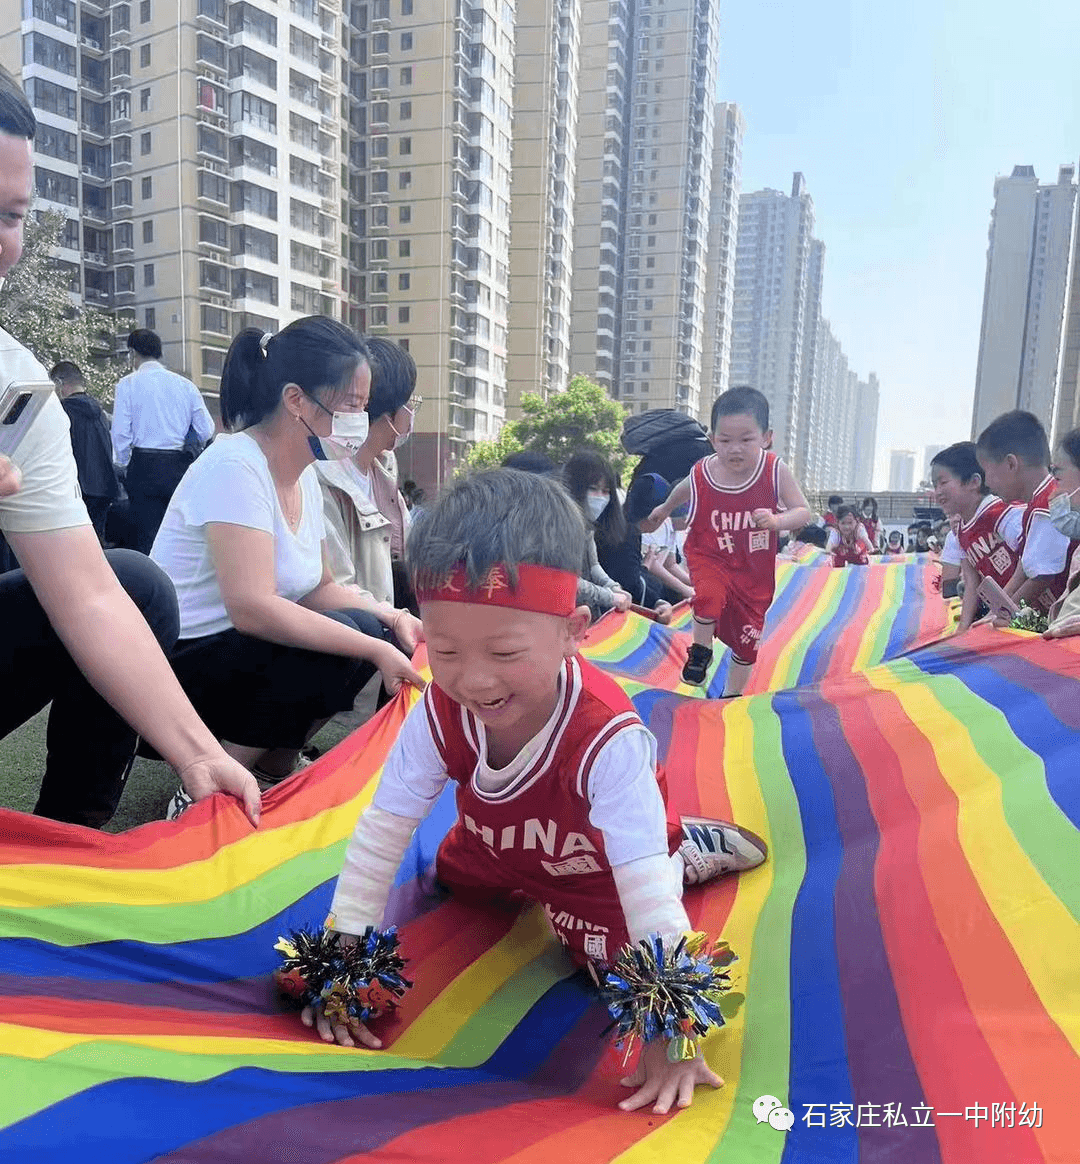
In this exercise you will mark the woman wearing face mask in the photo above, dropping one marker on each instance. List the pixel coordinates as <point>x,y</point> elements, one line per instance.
<point>270,646</point>
<point>1065,517</point>
<point>367,519</point>
<point>590,481</point>
<point>987,530</point>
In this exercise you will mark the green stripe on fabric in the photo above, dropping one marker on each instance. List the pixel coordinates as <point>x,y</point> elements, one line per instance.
<point>231,913</point>
<point>1042,830</point>
<point>767,1047</point>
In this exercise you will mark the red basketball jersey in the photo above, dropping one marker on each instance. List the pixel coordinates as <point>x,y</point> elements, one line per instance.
<point>1040,505</point>
<point>722,529</point>
<point>534,837</point>
<point>984,548</point>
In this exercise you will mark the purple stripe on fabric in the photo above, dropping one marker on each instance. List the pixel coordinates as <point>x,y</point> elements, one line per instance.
<point>879,1059</point>
<point>329,1132</point>
<point>1055,688</point>
<point>238,996</point>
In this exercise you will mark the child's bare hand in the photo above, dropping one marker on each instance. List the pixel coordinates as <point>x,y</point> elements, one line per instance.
<point>622,600</point>
<point>663,1083</point>
<point>764,518</point>
<point>10,477</point>
<point>345,1034</point>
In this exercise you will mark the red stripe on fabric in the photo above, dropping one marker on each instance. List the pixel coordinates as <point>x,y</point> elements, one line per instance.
<point>932,970</point>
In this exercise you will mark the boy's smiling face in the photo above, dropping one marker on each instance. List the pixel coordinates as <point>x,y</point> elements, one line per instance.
<point>502,664</point>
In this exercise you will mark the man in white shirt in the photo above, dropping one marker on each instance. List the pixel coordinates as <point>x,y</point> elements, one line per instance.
<point>154,411</point>
<point>73,624</point>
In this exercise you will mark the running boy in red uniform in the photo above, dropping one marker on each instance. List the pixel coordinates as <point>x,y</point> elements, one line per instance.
<point>559,796</point>
<point>1015,456</point>
<point>740,497</point>
<point>986,533</point>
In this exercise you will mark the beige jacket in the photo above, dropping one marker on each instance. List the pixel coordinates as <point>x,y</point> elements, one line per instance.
<point>359,535</point>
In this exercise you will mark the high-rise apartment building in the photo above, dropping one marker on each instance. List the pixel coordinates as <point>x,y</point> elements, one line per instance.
<point>542,197</point>
<point>728,129</point>
<point>901,471</point>
<point>193,149</point>
<point>866,418</point>
<point>1027,275</point>
<point>645,133</point>
<point>1068,405</point>
<point>773,290</point>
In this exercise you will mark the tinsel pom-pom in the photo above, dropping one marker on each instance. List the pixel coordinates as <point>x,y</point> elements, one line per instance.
<point>672,990</point>
<point>347,980</point>
<point>1027,618</point>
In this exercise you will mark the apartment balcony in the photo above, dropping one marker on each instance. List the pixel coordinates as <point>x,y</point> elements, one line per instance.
<point>95,173</point>
<point>98,296</point>
<point>98,259</point>
<point>92,43</point>
<point>98,130</point>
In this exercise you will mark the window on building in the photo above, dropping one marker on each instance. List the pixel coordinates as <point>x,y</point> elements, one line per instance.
<point>257,199</point>
<point>405,145</point>
<point>403,281</point>
<point>145,143</point>
<point>378,248</point>
<point>214,231</point>
<point>123,236</point>
<point>213,361</point>
<point>404,214</point>
<point>406,7</point>
<point>404,248</point>
<point>150,318</point>
<point>380,147</point>
<point>403,315</point>
<point>144,100</point>
<point>144,11</point>
<point>148,231</point>
<point>144,56</point>
<point>148,274</point>
<point>254,285</point>
<point>405,111</point>
<point>214,187</point>
<point>650,262</point>
<point>380,182</point>
<point>378,316</point>
<point>148,187</point>
<point>404,179</point>
<point>406,42</point>
<point>121,192</point>
<point>380,78</point>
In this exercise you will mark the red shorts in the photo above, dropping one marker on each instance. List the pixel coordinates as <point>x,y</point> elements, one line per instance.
<point>738,617</point>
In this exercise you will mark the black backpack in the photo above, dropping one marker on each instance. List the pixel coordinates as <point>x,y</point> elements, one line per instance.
<point>649,431</point>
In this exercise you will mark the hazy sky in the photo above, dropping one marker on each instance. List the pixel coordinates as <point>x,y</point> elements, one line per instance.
<point>901,116</point>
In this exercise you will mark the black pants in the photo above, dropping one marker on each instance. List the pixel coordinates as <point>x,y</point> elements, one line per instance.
<point>152,478</point>
<point>98,508</point>
<point>90,748</point>
<point>260,694</point>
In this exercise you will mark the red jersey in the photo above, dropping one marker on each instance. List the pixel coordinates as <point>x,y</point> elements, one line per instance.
<point>1039,505</point>
<point>722,530</point>
<point>534,838</point>
<point>983,540</point>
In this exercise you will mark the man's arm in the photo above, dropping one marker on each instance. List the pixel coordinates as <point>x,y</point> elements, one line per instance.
<point>122,433</point>
<point>201,419</point>
<point>110,642</point>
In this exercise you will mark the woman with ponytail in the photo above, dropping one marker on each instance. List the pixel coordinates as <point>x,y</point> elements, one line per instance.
<point>270,647</point>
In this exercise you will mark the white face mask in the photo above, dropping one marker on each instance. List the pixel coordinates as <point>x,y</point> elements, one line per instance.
<point>348,431</point>
<point>596,505</point>
<point>401,437</point>
<point>1063,517</point>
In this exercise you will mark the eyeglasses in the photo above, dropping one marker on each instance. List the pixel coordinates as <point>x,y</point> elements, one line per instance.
<point>414,404</point>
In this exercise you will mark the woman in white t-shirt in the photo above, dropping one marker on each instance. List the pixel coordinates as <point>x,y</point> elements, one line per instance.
<point>270,646</point>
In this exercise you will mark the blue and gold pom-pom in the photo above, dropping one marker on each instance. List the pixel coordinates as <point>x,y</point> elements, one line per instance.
<point>356,980</point>
<point>672,990</point>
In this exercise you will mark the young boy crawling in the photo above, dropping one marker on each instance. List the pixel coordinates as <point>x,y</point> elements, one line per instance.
<point>559,797</point>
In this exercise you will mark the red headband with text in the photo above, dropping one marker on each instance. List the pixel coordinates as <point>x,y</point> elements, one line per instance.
<point>539,588</point>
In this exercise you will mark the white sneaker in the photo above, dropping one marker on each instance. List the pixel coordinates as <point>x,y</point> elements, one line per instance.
<point>712,848</point>
<point>179,803</point>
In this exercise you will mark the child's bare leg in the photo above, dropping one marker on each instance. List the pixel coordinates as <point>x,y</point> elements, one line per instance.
<point>737,677</point>
<point>703,631</point>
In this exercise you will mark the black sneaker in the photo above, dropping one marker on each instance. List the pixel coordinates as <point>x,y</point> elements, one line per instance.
<point>698,662</point>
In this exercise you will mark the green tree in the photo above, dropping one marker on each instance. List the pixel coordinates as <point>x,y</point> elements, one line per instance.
<point>582,417</point>
<point>36,309</point>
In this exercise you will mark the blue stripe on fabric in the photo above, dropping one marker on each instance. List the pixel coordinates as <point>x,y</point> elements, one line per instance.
<point>816,661</point>
<point>818,1070</point>
<point>906,620</point>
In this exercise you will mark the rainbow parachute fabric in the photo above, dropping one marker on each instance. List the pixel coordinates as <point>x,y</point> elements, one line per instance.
<point>909,953</point>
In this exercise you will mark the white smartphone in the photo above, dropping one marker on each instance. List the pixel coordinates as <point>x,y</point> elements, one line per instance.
<point>1001,605</point>
<point>20,402</point>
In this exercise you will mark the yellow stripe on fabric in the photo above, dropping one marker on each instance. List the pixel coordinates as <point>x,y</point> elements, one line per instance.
<point>231,866</point>
<point>693,1134</point>
<point>785,672</point>
<point>443,1018</point>
<point>1042,932</point>
<point>886,607</point>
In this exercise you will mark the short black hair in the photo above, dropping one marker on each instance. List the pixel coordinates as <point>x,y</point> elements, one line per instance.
<point>146,343</point>
<point>530,461</point>
<point>846,511</point>
<point>741,401</point>
<point>1070,444</point>
<point>813,535</point>
<point>835,499</point>
<point>16,117</point>
<point>393,377</point>
<point>65,372</point>
<point>961,461</point>
<point>1018,433</point>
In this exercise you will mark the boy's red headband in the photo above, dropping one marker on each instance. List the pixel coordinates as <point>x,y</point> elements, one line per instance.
<point>539,588</point>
